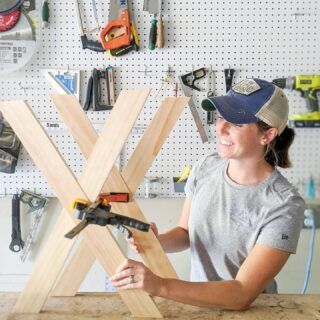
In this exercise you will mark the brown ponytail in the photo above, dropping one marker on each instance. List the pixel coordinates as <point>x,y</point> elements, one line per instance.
<point>277,151</point>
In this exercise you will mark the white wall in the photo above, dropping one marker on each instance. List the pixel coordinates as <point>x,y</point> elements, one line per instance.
<point>165,212</point>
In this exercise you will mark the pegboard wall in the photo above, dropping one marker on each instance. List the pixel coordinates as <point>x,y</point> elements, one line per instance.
<point>263,39</point>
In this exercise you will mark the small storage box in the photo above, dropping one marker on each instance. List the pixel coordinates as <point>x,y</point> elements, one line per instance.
<point>179,186</point>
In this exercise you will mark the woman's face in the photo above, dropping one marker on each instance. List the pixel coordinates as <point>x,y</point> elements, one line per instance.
<point>238,141</point>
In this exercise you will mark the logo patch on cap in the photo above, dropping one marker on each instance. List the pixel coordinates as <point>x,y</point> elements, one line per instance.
<point>246,87</point>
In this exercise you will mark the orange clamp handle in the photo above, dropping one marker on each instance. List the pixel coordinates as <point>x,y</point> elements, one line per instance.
<point>120,41</point>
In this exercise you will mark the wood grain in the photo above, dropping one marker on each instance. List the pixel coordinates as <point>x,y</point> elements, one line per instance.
<point>149,146</point>
<point>39,146</point>
<point>111,307</point>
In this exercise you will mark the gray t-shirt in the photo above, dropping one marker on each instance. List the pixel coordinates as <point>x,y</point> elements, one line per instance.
<point>228,219</point>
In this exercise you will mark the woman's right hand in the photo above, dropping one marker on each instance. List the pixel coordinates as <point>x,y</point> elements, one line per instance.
<point>133,243</point>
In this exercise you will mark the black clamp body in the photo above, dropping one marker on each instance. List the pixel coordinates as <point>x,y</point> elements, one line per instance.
<point>100,214</point>
<point>94,90</point>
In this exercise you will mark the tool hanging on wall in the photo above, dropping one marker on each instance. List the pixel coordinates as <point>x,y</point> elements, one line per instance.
<point>187,83</point>
<point>168,80</point>
<point>117,32</point>
<point>309,88</point>
<point>65,81</point>
<point>152,6</point>
<point>210,93</point>
<point>86,43</point>
<point>9,147</point>
<point>94,90</point>
<point>9,20</point>
<point>160,34</point>
<point>45,14</point>
<point>120,35</point>
<point>36,204</point>
<point>17,36</point>
<point>16,241</point>
<point>95,13</point>
<point>228,73</point>
<point>99,213</point>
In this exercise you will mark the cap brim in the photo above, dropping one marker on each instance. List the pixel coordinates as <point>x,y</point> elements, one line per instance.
<point>229,109</point>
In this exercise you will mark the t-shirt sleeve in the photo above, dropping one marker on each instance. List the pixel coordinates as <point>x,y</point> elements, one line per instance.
<point>189,189</point>
<point>191,183</point>
<point>282,227</point>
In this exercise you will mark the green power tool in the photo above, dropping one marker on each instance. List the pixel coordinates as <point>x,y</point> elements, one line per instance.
<point>309,87</point>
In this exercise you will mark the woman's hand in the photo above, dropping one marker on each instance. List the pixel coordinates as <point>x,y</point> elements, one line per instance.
<point>133,243</point>
<point>135,275</point>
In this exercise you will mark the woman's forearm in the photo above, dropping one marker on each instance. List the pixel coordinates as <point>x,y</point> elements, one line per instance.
<point>229,294</point>
<point>175,240</point>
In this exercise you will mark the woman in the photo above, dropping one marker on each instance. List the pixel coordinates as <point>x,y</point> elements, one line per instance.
<point>241,217</point>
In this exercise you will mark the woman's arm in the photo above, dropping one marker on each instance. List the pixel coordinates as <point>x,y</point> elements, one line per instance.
<point>260,267</point>
<point>176,239</point>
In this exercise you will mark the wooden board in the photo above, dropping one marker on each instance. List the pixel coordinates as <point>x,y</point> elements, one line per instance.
<point>152,141</point>
<point>100,240</point>
<point>114,134</point>
<point>109,306</point>
<point>150,144</point>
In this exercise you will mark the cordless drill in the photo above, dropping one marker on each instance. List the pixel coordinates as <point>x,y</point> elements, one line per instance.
<point>308,86</point>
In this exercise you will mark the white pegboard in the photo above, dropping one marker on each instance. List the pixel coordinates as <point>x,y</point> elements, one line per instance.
<point>264,39</point>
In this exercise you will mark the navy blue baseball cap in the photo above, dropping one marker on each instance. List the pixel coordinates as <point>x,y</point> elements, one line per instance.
<point>250,101</point>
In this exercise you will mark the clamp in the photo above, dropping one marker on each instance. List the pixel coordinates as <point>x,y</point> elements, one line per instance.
<point>94,90</point>
<point>99,213</point>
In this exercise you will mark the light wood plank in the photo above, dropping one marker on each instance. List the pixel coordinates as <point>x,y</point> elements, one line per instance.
<point>114,134</point>
<point>152,141</point>
<point>74,272</point>
<point>47,267</point>
<point>139,303</point>
<point>45,156</point>
<point>159,129</point>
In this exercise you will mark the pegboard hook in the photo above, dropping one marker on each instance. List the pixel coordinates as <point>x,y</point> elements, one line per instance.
<point>145,70</point>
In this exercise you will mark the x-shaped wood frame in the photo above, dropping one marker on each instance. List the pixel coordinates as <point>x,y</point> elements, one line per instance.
<point>99,175</point>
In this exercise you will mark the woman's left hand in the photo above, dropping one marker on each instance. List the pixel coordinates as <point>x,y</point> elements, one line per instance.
<point>135,275</point>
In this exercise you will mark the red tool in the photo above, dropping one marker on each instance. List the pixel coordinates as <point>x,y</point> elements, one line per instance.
<point>8,21</point>
<point>114,197</point>
<point>117,33</point>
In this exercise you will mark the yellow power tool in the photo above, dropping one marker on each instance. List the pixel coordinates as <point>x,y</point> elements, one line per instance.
<point>308,86</point>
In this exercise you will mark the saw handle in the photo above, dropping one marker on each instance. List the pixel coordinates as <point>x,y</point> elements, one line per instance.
<point>122,40</point>
<point>91,45</point>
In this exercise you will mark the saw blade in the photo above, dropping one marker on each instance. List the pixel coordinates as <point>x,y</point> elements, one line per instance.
<point>7,6</point>
<point>17,45</point>
<point>23,30</point>
<point>7,21</point>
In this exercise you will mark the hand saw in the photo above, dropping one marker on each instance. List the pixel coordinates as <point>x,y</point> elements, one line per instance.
<point>117,32</point>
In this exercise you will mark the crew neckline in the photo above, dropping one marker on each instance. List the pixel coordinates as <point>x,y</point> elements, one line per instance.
<point>246,186</point>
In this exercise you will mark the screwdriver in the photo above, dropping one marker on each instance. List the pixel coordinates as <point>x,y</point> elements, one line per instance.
<point>45,14</point>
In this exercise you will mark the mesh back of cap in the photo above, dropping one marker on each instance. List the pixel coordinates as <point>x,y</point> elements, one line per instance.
<point>275,111</point>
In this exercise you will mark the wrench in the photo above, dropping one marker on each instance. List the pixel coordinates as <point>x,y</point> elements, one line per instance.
<point>16,242</point>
